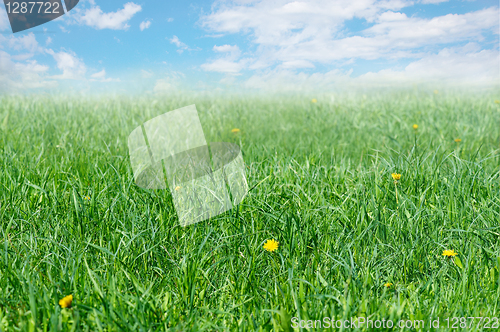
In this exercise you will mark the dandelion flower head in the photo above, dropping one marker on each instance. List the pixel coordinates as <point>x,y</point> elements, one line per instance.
<point>66,301</point>
<point>235,130</point>
<point>449,253</point>
<point>389,284</point>
<point>396,176</point>
<point>415,126</point>
<point>271,245</point>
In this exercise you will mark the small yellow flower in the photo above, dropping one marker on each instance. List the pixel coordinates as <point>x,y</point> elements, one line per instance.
<point>177,188</point>
<point>235,130</point>
<point>458,140</point>
<point>66,301</point>
<point>396,176</point>
<point>497,101</point>
<point>314,101</point>
<point>271,245</point>
<point>436,92</point>
<point>87,198</point>
<point>449,253</point>
<point>415,126</point>
<point>389,284</point>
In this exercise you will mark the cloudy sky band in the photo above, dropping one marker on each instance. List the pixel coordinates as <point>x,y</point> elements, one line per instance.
<point>257,45</point>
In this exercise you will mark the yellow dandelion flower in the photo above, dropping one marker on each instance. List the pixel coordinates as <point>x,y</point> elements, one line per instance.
<point>177,188</point>
<point>87,198</point>
<point>415,126</point>
<point>66,301</point>
<point>458,140</point>
<point>314,101</point>
<point>449,253</point>
<point>389,284</point>
<point>271,245</point>
<point>436,92</point>
<point>235,130</point>
<point>497,101</point>
<point>396,176</point>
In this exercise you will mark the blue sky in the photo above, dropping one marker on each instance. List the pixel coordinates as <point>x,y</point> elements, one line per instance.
<point>161,46</point>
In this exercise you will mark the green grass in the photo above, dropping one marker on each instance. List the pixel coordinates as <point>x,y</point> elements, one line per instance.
<point>322,187</point>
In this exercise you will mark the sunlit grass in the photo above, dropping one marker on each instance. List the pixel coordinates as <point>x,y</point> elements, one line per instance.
<point>353,239</point>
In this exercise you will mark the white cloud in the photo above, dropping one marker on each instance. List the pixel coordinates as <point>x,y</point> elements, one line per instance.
<point>272,21</point>
<point>72,67</point>
<point>225,66</point>
<point>226,48</point>
<point>170,19</point>
<point>101,77</point>
<point>412,32</point>
<point>22,43</point>
<point>452,67</point>
<point>48,41</point>
<point>299,34</point>
<point>144,25</point>
<point>297,64</point>
<point>175,40</point>
<point>25,47</point>
<point>17,71</point>
<point>228,62</point>
<point>96,18</point>
<point>432,1</point>
<point>181,46</point>
<point>16,76</point>
<point>234,51</point>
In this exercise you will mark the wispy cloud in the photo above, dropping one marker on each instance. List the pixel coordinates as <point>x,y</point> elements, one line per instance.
<point>228,62</point>
<point>96,18</point>
<point>181,47</point>
<point>233,50</point>
<point>71,66</point>
<point>434,2</point>
<point>101,77</point>
<point>20,76</point>
<point>466,66</point>
<point>144,25</point>
<point>22,43</point>
<point>175,40</point>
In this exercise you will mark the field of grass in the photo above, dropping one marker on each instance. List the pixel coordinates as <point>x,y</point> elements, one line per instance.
<point>72,220</point>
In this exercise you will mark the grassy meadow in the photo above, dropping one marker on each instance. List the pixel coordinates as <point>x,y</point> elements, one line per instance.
<point>353,242</point>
